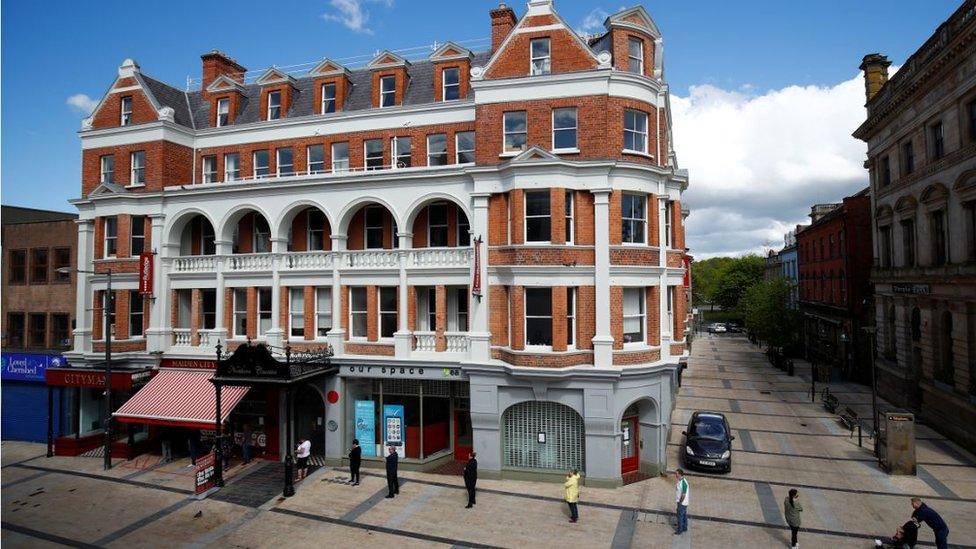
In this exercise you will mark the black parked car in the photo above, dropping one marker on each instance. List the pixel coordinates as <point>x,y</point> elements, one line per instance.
<point>708,442</point>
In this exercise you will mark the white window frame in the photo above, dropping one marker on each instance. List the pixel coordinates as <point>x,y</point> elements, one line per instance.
<point>525,320</point>
<point>460,307</point>
<point>275,107</point>
<point>240,312</point>
<point>326,99</point>
<point>137,170</point>
<point>265,312</point>
<point>571,318</point>
<point>458,150</point>
<point>426,309</point>
<point>112,235</point>
<point>526,217</point>
<point>235,173</point>
<point>625,218</point>
<point>136,317</point>
<point>641,315</point>
<point>395,143</point>
<point>279,164</point>
<point>103,160</point>
<point>367,227</point>
<point>296,312</point>
<point>635,131</point>
<point>431,225</point>
<point>387,92</point>
<point>309,168</point>
<point>439,154</point>
<point>630,56</point>
<point>254,164</point>
<point>574,128</point>
<point>309,230</point>
<point>340,165</point>
<point>668,222</point>
<point>353,312</point>
<point>547,66</point>
<point>223,112</point>
<point>137,221</point>
<point>569,216</point>
<point>367,157</point>
<point>505,133</point>
<point>445,85</point>
<point>380,312</point>
<point>125,110</point>
<point>210,168</point>
<point>323,314</point>
<point>669,311</point>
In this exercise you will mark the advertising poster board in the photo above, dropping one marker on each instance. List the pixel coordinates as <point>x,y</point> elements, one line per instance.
<point>203,479</point>
<point>393,428</point>
<point>366,426</point>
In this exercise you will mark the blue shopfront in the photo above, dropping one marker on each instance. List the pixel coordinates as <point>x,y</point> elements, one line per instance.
<point>25,396</point>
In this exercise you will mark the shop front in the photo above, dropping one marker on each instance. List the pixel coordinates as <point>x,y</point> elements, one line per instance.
<point>27,404</point>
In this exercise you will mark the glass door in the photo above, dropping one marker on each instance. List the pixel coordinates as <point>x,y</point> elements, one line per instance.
<point>629,445</point>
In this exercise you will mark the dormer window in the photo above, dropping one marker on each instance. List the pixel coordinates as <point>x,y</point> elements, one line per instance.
<point>452,84</point>
<point>223,112</point>
<point>126,111</point>
<point>635,55</point>
<point>328,98</point>
<point>274,105</point>
<point>540,63</point>
<point>388,91</point>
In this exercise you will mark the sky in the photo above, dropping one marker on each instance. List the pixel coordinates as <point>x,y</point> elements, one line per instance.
<point>765,94</point>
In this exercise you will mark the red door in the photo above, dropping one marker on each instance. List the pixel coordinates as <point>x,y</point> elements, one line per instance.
<point>463,444</point>
<point>629,445</point>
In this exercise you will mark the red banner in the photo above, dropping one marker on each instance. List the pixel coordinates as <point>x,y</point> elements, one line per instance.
<point>476,282</point>
<point>188,363</point>
<point>85,377</point>
<point>146,273</point>
<point>687,262</point>
<point>203,479</point>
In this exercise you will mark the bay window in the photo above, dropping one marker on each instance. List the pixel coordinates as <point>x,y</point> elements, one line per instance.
<point>296,312</point>
<point>538,317</point>
<point>634,315</point>
<point>538,218</point>
<point>635,131</point>
<point>323,311</point>
<point>633,218</point>
<point>387,303</point>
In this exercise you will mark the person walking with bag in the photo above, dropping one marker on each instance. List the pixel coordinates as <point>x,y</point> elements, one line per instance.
<point>572,494</point>
<point>792,510</point>
<point>681,492</point>
<point>471,478</point>
<point>355,459</point>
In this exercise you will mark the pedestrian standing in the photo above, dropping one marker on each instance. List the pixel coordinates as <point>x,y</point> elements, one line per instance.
<point>471,478</point>
<point>355,459</point>
<point>166,437</point>
<point>792,509</point>
<point>924,513</point>
<point>681,493</point>
<point>246,444</point>
<point>392,482</point>
<point>572,494</point>
<point>226,448</point>
<point>193,444</point>
<point>302,452</point>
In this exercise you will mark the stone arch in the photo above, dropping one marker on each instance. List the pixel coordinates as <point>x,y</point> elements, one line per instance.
<point>417,212</point>
<point>882,212</point>
<point>174,233</point>
<point>936,192</point>
<point>965,185</point>
<point>286,221</point>
<point>651,438</point>
<point>906,205</point>
<point>356,239</point>
<point>564,447</point>
<point>349,210</point>
<point>309,407</point>
<point>228,224</point>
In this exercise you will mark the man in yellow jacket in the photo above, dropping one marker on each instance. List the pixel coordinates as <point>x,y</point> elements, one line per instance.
<point>572,493</point>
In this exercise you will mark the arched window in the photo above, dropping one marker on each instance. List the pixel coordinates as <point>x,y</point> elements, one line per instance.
<point>946,370</point>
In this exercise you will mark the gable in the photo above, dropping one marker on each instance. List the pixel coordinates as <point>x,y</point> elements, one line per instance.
<point>225,83</point>
<point>327,67</point>
<point>568,52</point>
<point>107,113</point>
<point>274,76</point>
<point>635,18</point>
<point>450,52</point>
<point>533,153</point>
<point>387,59</point>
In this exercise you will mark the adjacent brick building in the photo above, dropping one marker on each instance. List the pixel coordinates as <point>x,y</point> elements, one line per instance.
<point>492,239</point>
<point>921,136</point>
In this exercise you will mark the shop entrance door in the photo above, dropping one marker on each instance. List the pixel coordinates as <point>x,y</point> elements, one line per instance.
<point>629,445</point>
<point>309,417</point>
<point>463,442</point>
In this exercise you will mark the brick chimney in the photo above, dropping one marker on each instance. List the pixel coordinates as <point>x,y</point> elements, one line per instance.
<point>217,63</point>
<point>502,22</point>
<point>875,67</point>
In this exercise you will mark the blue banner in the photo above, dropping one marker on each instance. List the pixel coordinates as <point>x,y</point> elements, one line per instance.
<point>366,426</point>
<point>393,427</point>
<point>28,367</point>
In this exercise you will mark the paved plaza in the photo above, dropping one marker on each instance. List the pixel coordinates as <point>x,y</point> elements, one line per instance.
<point>782,441</point>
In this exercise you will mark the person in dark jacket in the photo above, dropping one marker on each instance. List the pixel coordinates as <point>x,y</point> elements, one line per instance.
<point>355,459</point>
<point>924,513</point>
<point>392,461</point>
<point>793,510</point>
<point>471,478</point>
<point>906,536</point>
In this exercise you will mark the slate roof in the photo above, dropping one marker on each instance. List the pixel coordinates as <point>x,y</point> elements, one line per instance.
<point>168,96</point>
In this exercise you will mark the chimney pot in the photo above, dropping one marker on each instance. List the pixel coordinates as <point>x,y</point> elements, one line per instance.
<point>502,22</point>
<point>875,67</point>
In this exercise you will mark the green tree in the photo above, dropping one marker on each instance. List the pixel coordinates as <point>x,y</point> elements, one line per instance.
<point>765,309</point>
<point>736,278</point>
<point>705,276</point>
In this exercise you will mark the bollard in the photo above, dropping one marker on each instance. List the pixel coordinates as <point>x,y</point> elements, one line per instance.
<point>789,367</point>
<point>860,442</point>
<point>289,477</point>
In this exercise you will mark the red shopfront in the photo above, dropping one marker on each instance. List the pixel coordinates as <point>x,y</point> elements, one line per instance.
<point>86,415</point>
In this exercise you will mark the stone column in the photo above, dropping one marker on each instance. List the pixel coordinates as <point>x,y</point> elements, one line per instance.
<point>666,325</point>
<point>603,340</point>
<point>221,330</point>
<point>82,334</point>
<point>403,337</point>
<point>337,336</point>
<point>479,338</point>
<point>275,336</point>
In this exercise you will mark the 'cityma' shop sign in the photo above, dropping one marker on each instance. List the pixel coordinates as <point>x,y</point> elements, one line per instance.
<point>28,367</point>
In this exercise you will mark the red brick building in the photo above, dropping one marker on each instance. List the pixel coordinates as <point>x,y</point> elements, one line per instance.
<point>492,239</point>
<point>834,256</point>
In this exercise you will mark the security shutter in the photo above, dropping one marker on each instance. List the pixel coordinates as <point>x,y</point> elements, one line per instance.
<point>564,438</point>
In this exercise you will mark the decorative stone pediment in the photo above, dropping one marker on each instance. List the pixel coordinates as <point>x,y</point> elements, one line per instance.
<point>635,18</point>
<point>328,67</point>
<point>274,76</point>
<point>450,52</point>
<point>224,83</point>
<point>533,153</point>
<point>387,60</point>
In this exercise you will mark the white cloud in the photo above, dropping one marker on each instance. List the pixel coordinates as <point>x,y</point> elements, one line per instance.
<point>353,13</point>
<point>757,162</point>
<point>592,23</point>
<point>82,102</point>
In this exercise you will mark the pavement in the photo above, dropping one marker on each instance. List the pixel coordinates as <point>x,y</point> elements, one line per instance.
<point>782,441</point>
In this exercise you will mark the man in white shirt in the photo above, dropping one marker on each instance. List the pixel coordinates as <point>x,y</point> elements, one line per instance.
<point>681,492</point>
<point>302,452</point>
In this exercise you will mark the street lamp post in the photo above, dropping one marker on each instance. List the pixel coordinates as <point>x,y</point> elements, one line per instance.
<point>107,305</point>
<point>871,330</point>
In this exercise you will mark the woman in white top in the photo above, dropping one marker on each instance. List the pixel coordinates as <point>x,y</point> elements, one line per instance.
<point>302,452</point>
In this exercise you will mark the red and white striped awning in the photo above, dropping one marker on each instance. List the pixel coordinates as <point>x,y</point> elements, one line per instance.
<point>180,398</point>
